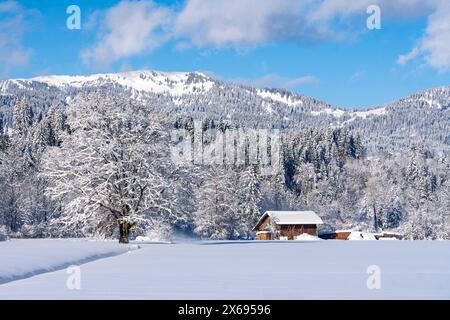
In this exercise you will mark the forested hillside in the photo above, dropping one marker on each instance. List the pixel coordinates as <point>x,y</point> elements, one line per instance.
<point>91,156</point>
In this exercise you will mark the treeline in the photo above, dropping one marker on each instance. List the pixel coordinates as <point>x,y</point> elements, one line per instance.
<point>100,165</point>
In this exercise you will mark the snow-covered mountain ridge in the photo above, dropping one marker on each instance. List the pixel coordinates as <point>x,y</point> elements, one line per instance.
<point>177,84</point>
<point>174,83</point>
<point>186,83</point>
<point>420,117</point>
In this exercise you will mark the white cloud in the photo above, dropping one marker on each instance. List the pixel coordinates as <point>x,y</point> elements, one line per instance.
<point>14,22</point>
<point>237,23</point>
<point>404,58</point>
<point>135,27</point>
<point>436,42</point>
<point>399,9</point>
<point>434,46</point>
<point>9,6</point>
<point>300,81</point>
<point>220,23</point>
<point>19,57</point>
<point>127,29</point>
<point>276,81</point>
<point>241,23</point>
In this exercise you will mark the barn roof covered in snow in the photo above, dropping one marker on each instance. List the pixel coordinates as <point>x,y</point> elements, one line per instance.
<point>290,218</point>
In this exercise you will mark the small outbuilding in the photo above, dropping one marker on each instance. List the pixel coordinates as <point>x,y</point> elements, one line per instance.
<point>390,235</point>
<point>276,225</point>
<point>336,235</point>
<point>358,235</point>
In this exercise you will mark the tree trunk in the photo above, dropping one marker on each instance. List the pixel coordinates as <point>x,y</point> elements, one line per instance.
<point>124,229</point>
<point>375,219</point>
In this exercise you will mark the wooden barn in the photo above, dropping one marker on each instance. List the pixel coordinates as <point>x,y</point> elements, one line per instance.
<point>286,225</point>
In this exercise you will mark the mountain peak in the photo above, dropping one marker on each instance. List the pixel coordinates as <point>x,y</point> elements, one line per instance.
<point>175,83</point>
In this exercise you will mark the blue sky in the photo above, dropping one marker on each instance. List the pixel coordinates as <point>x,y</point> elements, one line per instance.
<point>321,48</point>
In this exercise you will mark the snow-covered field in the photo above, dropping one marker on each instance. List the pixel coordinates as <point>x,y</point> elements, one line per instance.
<point>229,270</point>
<point>25,258</point>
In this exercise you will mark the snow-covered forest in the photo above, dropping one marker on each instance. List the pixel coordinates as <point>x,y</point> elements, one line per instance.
<point>92,157</point>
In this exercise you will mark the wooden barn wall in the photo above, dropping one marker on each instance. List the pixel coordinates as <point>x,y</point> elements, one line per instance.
<point>292,231</point>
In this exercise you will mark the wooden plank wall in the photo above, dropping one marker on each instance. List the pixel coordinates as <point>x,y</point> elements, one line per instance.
<point>291,231</point>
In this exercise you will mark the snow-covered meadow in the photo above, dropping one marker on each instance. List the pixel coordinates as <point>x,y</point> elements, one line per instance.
<point>227,270</point>
<point>25,258</point>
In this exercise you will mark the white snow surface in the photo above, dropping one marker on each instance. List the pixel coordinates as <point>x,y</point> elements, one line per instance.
<point>242,270</point>
<point>371,112</point>
<point>307,237</point>
<point>277,97</point>
<point>173,83</point>
<point>337,113</point>
<point>24,258</point>
<point>142,238</point>
<point>357,235</point>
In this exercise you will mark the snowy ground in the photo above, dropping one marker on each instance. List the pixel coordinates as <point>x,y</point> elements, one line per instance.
<point>233,270</point>
<point>25,258</point>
